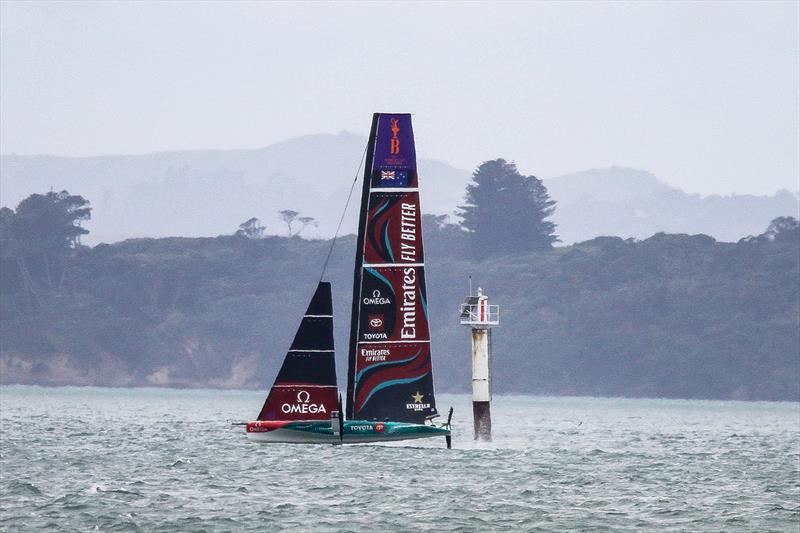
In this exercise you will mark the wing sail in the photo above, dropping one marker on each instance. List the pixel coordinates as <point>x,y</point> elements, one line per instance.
<point>389,372</point>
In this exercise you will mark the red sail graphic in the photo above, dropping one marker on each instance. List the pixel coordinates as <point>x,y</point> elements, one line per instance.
<point>394,231</point>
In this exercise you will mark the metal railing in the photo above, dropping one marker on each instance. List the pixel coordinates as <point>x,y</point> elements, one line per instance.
<point>470,315</point>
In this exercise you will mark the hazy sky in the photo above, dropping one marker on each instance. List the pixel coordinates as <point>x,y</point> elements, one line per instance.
<point>705,95</point>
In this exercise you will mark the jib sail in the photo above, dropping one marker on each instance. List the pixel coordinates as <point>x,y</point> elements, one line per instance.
<point>305,388</point>
<point>389,371</point>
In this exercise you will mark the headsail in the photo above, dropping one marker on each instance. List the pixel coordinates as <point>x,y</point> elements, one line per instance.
<point>389,371</point>
<point>305,388</point>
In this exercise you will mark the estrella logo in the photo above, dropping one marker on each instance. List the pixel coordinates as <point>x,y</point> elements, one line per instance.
<point>418,405</point>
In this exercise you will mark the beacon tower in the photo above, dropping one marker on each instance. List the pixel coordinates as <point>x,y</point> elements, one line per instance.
<point>480,317</point>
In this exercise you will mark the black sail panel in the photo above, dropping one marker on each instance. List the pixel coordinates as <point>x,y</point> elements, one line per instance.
<point>389,373</point>
<point>305,388</point>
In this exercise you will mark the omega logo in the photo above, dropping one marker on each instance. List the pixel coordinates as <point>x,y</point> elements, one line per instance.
<point>376,299</point>
<point>303,406</point>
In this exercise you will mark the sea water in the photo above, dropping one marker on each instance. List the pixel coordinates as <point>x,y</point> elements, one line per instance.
<point>84,459</point>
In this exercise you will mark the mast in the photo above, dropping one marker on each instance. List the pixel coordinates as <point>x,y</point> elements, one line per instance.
<point>362,224</point>
<point>389,371</point>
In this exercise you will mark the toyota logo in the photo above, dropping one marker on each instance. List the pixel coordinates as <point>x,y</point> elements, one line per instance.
<point>376,322</point>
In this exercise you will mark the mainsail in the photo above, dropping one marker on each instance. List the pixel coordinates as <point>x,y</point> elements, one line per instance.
<point>305,388</point>
<point>389,371</point>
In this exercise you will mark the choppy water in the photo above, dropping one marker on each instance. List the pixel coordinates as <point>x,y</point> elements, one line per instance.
<point>166,460</point>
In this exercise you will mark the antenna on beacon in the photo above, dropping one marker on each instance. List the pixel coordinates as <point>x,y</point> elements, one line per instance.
<point>480,316</point>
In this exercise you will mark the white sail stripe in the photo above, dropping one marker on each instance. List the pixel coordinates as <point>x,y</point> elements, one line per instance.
<point>315,351</point>
<point>394,189</point>
<point>317,316</point>
<point>379,265</point>
<point>391,342</point>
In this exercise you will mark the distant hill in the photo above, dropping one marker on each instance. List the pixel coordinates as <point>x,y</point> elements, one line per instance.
<point>210,192</point>
<point>632,203</point>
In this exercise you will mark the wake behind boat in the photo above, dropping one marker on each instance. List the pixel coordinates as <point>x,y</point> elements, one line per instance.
<point>390,392</point>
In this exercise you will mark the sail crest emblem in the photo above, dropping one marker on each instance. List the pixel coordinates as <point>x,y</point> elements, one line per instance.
<point>394,142</point>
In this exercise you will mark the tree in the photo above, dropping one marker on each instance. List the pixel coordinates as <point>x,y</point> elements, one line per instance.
<point>251,228</point>
<point>51,221</point>
<point>305,221</point>
<point>38,237</point>
<point>9,252</point>
<point>783,229</point>
<point>288,216</point>
<point>506,212</point>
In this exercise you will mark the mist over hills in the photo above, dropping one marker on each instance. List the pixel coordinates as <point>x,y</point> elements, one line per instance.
<point>210,192</point>
<point>633,203</point>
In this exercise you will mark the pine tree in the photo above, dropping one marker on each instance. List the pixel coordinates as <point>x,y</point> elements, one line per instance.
<point>506,212</point>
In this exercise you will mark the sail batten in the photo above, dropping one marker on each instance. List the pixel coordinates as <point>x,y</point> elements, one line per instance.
<point>389,371</point>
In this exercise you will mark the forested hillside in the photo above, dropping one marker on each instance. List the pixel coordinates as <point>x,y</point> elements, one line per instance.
<point>669,316</point>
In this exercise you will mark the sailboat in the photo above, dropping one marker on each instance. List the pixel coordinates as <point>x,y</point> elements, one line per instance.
<point>389,392</point>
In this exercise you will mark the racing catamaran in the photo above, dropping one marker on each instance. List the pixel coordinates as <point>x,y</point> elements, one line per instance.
<point>390,392</point>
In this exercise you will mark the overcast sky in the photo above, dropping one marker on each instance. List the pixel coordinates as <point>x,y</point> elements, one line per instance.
<point>705,95</point>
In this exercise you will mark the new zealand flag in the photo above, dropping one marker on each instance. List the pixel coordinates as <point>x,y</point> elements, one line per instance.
<point>393,178</point>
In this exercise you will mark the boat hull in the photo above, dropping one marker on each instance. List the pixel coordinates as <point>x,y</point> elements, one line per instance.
<point>354,432</point>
